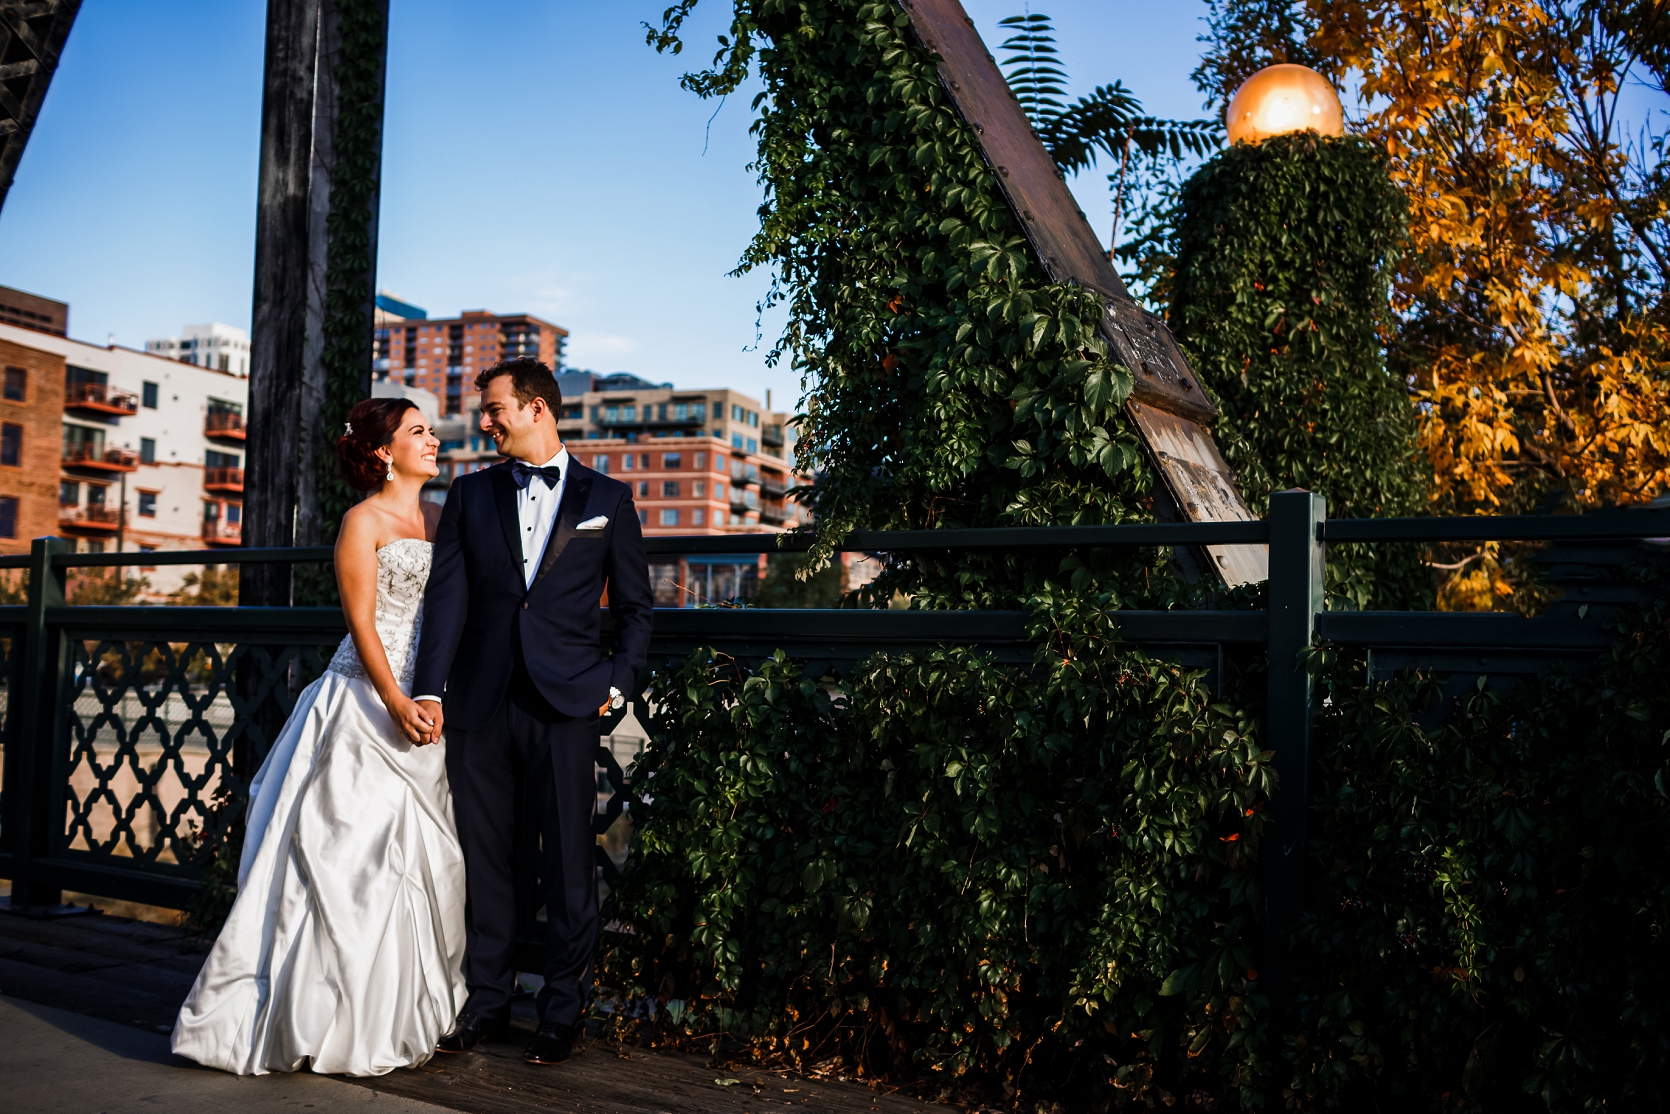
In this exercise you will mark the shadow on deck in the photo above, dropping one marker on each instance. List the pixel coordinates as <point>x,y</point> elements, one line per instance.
<point>135,973</point>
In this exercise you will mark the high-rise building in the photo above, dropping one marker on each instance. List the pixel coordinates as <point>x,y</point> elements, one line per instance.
<point>221,347</point>
<point>442,356</point>
<point>700,461</point>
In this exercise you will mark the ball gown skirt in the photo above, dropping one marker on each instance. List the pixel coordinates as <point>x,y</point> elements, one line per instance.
<point>344,950</point>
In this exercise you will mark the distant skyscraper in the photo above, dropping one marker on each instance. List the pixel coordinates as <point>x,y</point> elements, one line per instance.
<point>216,346</point>
<point>443,356</point>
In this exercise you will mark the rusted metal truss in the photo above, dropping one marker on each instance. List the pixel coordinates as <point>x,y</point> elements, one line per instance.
<point>1168,408</point>
<point>32,35</point>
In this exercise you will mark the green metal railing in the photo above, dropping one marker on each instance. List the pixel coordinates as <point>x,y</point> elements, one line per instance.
<point>120,722</point>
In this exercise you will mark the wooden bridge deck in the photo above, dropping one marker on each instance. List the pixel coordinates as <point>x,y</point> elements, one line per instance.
<point>135,973</point>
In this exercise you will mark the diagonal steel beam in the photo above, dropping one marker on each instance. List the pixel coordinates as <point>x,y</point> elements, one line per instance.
<point>1169,410</point>
<point>32,36</point>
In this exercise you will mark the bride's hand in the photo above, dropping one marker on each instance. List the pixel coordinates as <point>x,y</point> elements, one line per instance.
<point>414,720</point>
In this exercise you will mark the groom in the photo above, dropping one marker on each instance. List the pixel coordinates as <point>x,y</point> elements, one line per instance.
<point>523,554</point>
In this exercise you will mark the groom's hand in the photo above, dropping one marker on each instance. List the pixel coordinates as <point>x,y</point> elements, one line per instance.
<point>432,709</point>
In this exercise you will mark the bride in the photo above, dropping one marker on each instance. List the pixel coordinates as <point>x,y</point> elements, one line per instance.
<point>345,945</point>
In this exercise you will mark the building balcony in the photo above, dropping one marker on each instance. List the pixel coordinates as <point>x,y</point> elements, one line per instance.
<point>771,435</point>
<point>743,499</point>
<point>223,424</point>
<point>99,458</point>
<point>224,479</point>
<point>216,532</point>
<point>773,515</point>
<point>744,473</point>
<point>773,489</point>
<point>101,397</point>
<point>97,520</point>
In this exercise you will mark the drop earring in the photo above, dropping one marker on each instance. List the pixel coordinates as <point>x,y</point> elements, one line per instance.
<point>390,475</point>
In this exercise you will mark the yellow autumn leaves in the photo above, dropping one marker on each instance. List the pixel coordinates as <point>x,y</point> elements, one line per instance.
<point>1531,298</point>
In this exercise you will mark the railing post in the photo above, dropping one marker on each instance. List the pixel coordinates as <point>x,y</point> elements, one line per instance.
<point>1296,579</point>
<point>33,735</point>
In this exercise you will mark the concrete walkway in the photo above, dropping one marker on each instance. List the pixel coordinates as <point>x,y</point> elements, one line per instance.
<point>52,1060</point>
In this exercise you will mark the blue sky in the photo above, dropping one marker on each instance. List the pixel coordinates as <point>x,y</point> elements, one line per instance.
<point>538,158</point>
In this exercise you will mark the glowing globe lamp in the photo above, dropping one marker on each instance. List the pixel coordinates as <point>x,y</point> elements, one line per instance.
<point>1281,99</point>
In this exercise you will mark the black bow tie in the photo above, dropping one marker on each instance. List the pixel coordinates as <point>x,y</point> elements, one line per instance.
<point>524,474</point>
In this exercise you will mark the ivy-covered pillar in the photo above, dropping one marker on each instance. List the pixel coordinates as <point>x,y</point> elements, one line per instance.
<point>1280,297</point>
<point>315,281</point>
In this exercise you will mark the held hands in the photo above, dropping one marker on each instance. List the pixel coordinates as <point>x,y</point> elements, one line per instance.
<point>420,723</point>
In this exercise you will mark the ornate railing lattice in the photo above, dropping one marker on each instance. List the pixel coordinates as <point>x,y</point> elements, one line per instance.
<point>151,730</point>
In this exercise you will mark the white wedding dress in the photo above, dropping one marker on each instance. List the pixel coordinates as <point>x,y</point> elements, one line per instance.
<point>345,946</point>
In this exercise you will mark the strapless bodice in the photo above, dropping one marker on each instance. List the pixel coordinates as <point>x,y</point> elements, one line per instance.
<point>402,574</point>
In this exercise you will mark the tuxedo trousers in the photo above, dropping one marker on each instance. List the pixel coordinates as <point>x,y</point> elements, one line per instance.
<point>528,760</point>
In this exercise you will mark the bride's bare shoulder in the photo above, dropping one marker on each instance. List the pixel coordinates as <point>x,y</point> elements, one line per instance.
<point>361,526</point>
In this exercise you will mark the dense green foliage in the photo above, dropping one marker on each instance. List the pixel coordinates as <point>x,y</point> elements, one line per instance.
<point>783,585</point>
<point>949,382</point>
<point>1279,295</point>
<point>989,874</point>
<point>1488,891</point>
<point>1045,881</point>
<point>1040,881</point>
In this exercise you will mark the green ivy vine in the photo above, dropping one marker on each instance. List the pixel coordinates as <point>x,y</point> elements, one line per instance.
<point>1279,294</point>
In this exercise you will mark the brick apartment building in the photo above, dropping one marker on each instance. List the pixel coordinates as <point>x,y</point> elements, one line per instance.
<point>31,311</point>
<point>31,417</point>
<point>117,449</point>
<point>442,356</point>
<point>711,461</point>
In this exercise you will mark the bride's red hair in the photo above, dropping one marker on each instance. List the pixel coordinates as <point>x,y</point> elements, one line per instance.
<point>371,426</point>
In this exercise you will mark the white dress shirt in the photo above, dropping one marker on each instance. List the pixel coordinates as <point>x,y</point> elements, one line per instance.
<point>536,514</point>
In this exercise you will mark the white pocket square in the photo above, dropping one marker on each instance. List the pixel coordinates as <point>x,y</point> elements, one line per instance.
<point>597,523</point>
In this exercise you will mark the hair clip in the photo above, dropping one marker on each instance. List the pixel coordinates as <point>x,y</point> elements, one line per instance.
<point>347,429</point>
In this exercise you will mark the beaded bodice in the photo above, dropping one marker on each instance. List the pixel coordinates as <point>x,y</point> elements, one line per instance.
<point>402,573</point>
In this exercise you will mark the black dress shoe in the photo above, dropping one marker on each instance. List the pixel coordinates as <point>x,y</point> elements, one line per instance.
<point>470,1030</point>
<point>552,1044</point>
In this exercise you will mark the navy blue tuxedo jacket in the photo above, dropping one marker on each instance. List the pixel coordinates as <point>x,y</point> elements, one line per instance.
<point>477,605</point>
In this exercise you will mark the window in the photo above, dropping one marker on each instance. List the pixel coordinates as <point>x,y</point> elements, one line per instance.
<point>669,489</point>
<point>147,504</point>
<point>11,444</point>
<point>736,440</point>
<point>8,516</point>
<point>697,516</point>
<point>96,494</point>
<point>601,463</point>
<point>643,461</point>
<point>69,493</point>
<point>736,413</point>
<point>212,459</point>
<point>753,417</point>
<point>698,489</point>
<point>95,547</point>
<point>643,489</point>
<point>718,491</point>
<point>643,518</point>
<point>671,461</point>
<point>669,517</point>
<point>211,512</point>
<point>700,461</point>
<point>16,379</point>
<point>147,450</point>
<point>753,445</point>
<point>234,513</point>
<point>628,461</point>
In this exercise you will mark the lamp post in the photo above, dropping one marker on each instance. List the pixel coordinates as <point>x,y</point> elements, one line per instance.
<point>1281,99</point>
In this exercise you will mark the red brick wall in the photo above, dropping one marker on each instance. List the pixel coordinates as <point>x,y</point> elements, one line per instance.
<point>34,483</point>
